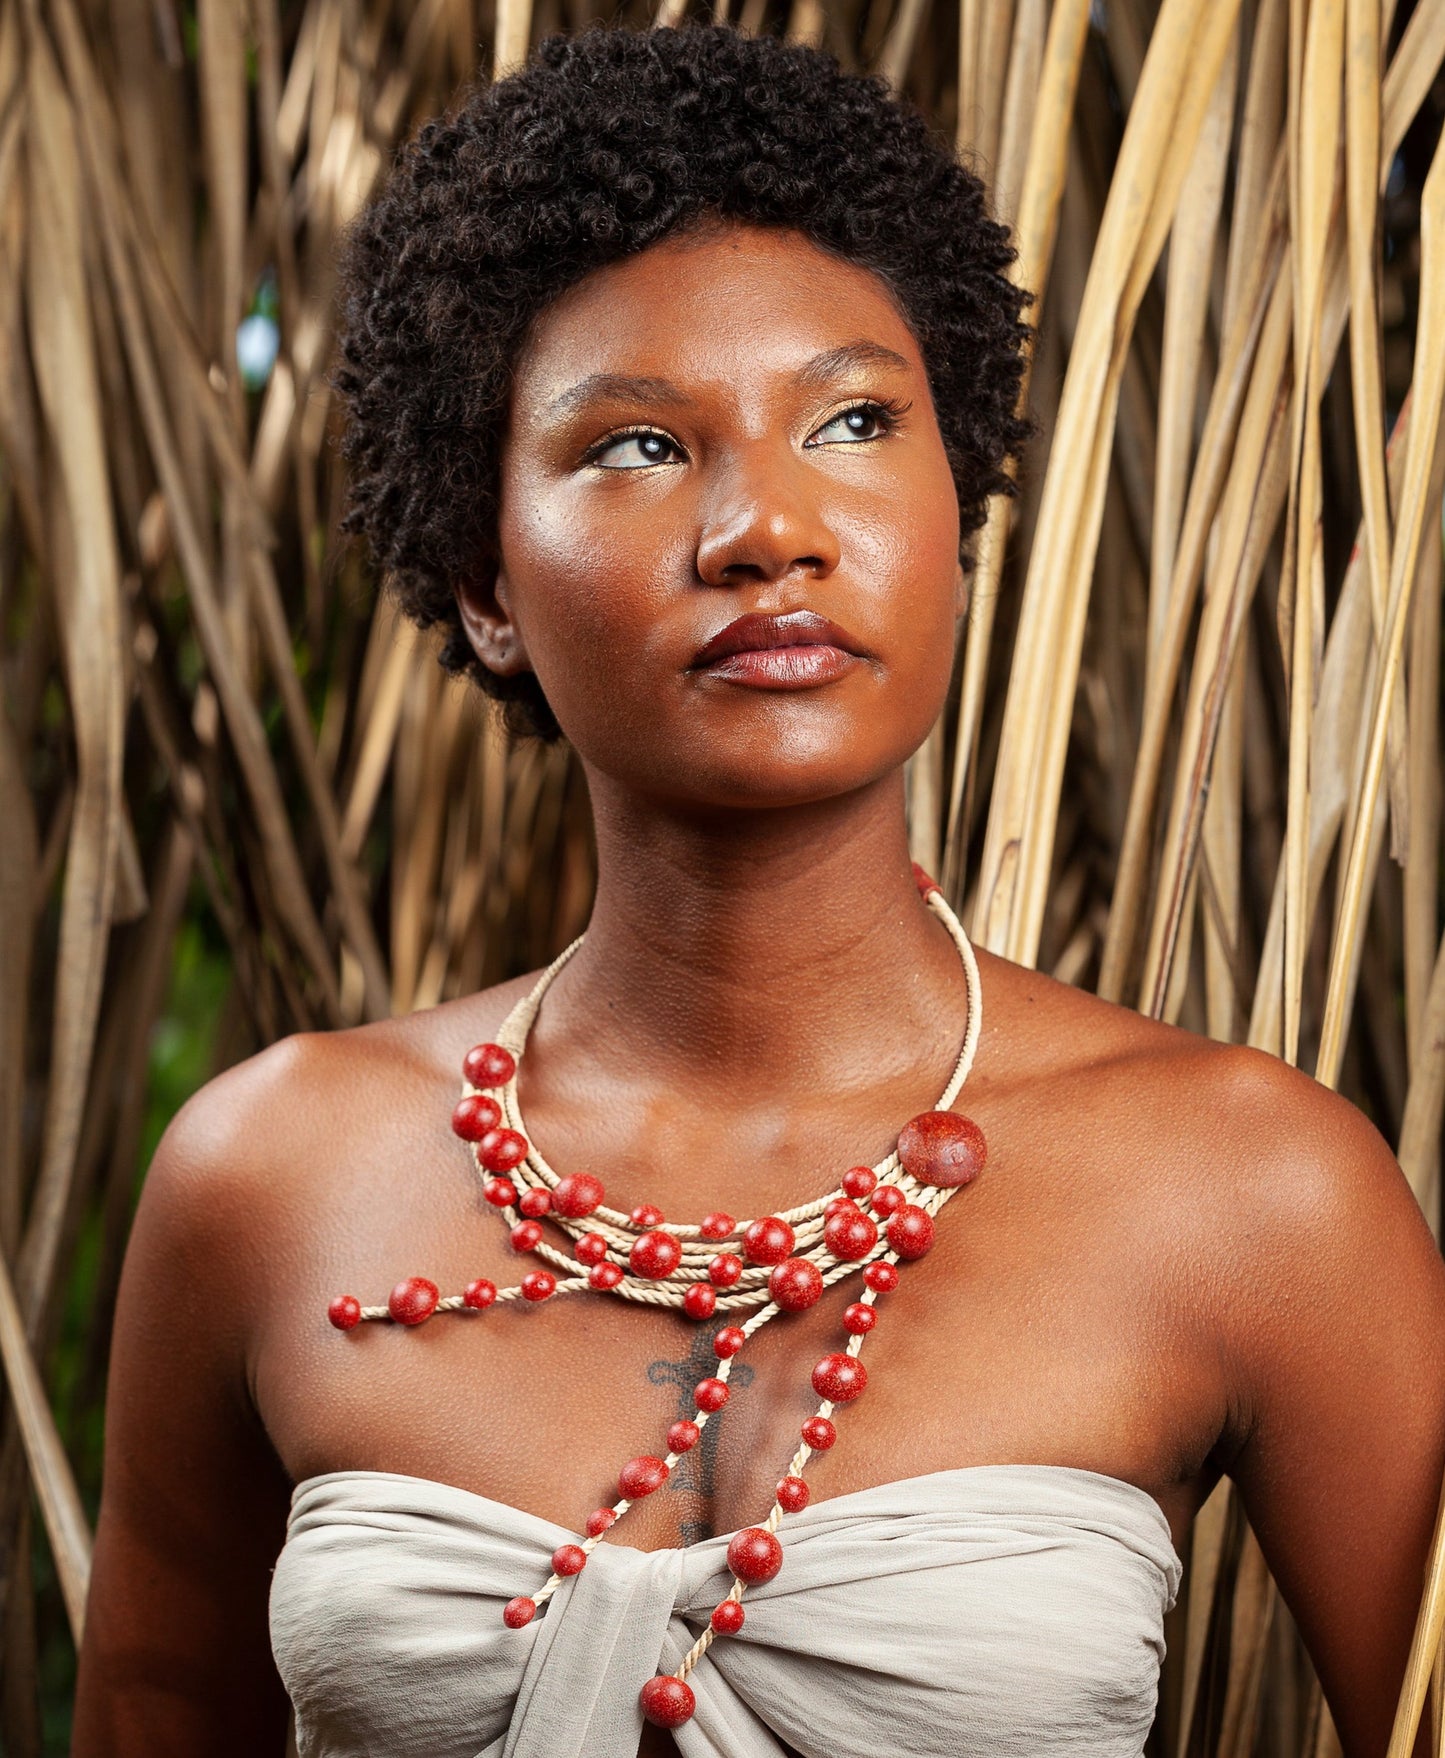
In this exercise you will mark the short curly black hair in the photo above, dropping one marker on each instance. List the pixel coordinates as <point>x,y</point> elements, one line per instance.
<point>602,144</point>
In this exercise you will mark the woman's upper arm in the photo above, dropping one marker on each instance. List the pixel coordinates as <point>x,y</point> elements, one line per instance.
<point>176,1657</point>
<point>1342,1341</point>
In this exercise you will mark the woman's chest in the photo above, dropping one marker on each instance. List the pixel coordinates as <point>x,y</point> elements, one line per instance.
<point>1033,1332</point>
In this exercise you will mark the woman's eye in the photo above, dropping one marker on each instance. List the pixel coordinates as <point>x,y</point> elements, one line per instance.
<point>865,421</point>
<point>635,451</point>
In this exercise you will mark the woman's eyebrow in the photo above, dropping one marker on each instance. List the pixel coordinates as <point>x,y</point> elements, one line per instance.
<point>661,393</point>
<point>836,361</point>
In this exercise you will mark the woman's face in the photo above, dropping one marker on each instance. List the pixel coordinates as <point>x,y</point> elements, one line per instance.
<point>728,530</point>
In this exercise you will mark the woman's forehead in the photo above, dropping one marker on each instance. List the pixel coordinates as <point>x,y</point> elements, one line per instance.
<point>716,304</point>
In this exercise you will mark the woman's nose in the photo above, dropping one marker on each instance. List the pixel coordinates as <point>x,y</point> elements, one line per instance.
<point>764,523</point>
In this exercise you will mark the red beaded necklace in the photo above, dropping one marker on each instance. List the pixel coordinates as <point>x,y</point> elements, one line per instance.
<point>782,1264</point>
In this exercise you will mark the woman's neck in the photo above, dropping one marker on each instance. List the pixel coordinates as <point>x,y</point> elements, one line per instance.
<point>769,947</point>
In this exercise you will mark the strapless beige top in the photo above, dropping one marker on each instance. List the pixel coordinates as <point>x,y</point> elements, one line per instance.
<point>976,1613</point>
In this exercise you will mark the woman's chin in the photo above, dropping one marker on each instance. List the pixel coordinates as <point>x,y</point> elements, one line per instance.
<point>742,750</point>
<point>771,781</point>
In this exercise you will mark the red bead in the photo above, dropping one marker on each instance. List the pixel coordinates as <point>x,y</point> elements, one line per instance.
<point>860,1181</point>
<point>717,1225</point>
<point>754,1555</point>
<point>881,1278</point>
<point>727,1618</point>
<point>499,1192</point>
<point>475,1116</point>
<point>667,1701</point>
<point>700,1301</point>
<point>590,1249</point>
<point>793,1495</point>
<point>501,1149</point>
<point>599,1520</point>
<point>640,1476</point>
<point>887,1200</point>
<point>840,1205</point>
<point>850,1235</point>
<point>768,1240</point>
<point>526,1235</point>
<point>519,1612</point>
<point>647,1215</point>
<point>710,1394</point>
<point>859,1318</point>
<point>910,1232</point>
<point>479,1294</point>
<point>840,1378</point>
<point>488,1065</point>
<point>604,1276</point>
<point>345,1312</point>
<point>724,1270</point>
<point>795,1284</point>
<point>538,1285</point>
<point>655,1255</point>
<point>728,1341</point>
<point>923,882</point>
<point>577,1195</point>
<point>819,1433</point>
<point>942,1148</point>
<point>535,1203</point>
<point>413,1300</point>
<point>569,1559</point>
<point>682,1437</point>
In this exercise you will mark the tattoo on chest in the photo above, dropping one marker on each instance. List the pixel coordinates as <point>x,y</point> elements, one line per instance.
<point>694,1472</point>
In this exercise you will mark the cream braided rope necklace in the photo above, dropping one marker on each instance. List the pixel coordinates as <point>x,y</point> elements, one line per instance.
<point>781,1264</point>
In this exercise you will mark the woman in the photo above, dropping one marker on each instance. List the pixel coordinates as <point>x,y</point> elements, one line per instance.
<point>680,369</point>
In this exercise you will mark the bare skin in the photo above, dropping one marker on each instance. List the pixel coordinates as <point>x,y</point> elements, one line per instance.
<point>1183,1259</point>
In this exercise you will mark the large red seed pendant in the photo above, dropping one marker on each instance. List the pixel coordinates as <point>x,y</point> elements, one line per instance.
<point>943,1149</point>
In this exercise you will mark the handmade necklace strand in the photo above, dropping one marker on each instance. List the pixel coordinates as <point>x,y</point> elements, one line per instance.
<point>776,1263</point>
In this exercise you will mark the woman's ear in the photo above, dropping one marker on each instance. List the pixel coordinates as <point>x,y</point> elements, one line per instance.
<point>962,590</point>
<point>482,601</point>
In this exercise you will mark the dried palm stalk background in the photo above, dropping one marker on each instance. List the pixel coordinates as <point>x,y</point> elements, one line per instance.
<point>1200,681</point>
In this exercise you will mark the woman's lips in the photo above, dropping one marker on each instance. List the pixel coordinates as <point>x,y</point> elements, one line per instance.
<point>797,650</point>
<point>784,668</point>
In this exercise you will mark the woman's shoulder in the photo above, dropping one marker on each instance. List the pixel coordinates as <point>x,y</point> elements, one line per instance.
<point>1266,1171</point>
<point>1260,1217</point>
<point>257,1141</point>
